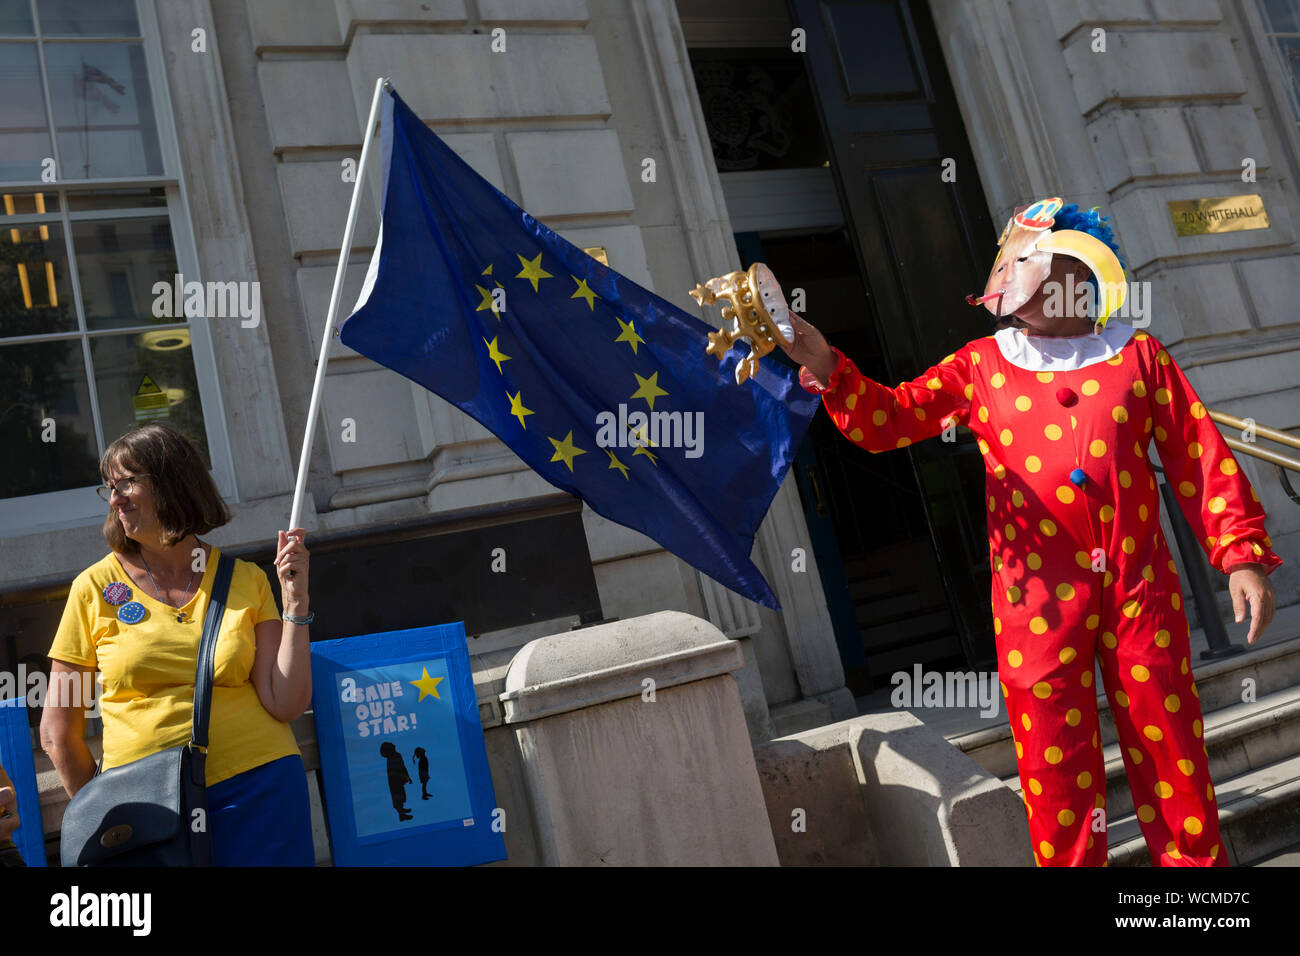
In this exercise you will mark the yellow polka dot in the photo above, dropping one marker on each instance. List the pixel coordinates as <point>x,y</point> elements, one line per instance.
<point>1020,749</point>
<point>969,390</point>
<point>1187,767</point>
<point>1024,719</point>
<point>1045,377</point>
<point>1131,608</point>
<point>1196,728</point>
<point>999,471</point>
<point>1116,359</point>
<point>1053,755</point>
<point>1146,813</point>
<point>1142,512</point>
<point>1176,600</point>
<point>1163,790</point>
<point>1209,795</point>
<point>1108,580</point>
<point>1084,780</point>
<point>851,402</point>
<point>1067,654</point>
<point>1173,567</point>
<point>1109,640</point>
<point>1065,818</point>
<point>1146,427</point>
<point>1172,703</point>
<point>902,443</point>
<point>1013,594</point>
<point>1042,690</point>
<point>983,413</point>
<point>1129,545</point>
<point>1162,638</point>
<point>1172,850</point>
<point>1134,754</point>
<point>1033,464</point>
<point>1038,625</point>
<point>993,502</point>
<point>1153,732</point>
<point>1090,387</point>
<point>1198,410</point>
<point>1065,494</point>
<point>1149,574</point>
<point>856,434</point>
<point>1097,448</point>
<point>1125,479</point>
<point>1010,532</point>
<point>1121,698</point>
<point>1094,740</point>
<point>1086,680</point>
<point>1033,561</point>
<point>1047,850</point>
<point>1161,434</point>
<point>984,447</point>
<point>1162,357</point>
<point>1228,466</point>
<point>1140,673</point>
<point>997,621</point>
<point>1194,450</point>
<point>1140,336</point>
<point>1065,592</point>
<point>1015,658</point>
<point>1216,505</point>
<point>1162,396</point>
<point>1119,413</point>
<point>1073,716</point>
<point>878,417</point>
<point>1195,693</point>
<point>1047,526</point>
<point>919,413</point>
<point>1227,538</point>
<point>1035,787</point>
<point>1005,692</point>
<point>1193,825</point>
<point>1106,514</point>
<point>1092,621</point>
<point>1083,560</point>
<point>948,358</point>
<point>1052,431</point>
<point>933,383</point>
<point>1023,403</point>
<point>1004,436</point>
<point>1017,498</point>
<point>997,380</point>
<point>1140,388</point>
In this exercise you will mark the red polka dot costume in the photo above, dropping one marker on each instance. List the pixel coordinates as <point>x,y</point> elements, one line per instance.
<point>1080,567</point>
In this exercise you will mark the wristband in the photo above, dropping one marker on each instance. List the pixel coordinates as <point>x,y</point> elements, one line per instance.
<point>299,620</point>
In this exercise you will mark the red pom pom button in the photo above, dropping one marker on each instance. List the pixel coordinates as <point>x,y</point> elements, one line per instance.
<point>1066,396</point>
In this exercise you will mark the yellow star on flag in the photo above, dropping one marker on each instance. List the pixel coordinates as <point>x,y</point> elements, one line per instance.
<point>517,407</point>
<point>615,463</point>
<point>628,335</point>
<point>496,355</point>
<point>649,389</point>
<point>533,270</point>
<point>566,450</point>
<point>428,685</point>
<point>649,454</point>
<point>584,293</point>
<point>643,442</point>
<point>488,302</point>
<point>487,271</point>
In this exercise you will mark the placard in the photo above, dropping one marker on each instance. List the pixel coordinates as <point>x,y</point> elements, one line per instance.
<point>16,758</point>
<point>402,753</point>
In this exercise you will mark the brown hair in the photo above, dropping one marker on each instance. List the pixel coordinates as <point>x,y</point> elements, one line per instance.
<point>185,497</point>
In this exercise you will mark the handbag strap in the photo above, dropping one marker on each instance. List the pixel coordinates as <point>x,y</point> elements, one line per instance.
<point>208,653</point>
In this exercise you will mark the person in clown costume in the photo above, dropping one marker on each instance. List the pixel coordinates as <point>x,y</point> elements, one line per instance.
<point>1065,405</point>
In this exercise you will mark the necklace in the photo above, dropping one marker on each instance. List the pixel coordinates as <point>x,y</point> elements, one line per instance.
<point>180,616</point>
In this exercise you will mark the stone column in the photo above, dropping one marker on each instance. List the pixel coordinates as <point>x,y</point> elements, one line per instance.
<point>635,748</point>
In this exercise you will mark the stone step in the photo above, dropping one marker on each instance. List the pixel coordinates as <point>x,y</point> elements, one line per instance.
<point>1259,815</point>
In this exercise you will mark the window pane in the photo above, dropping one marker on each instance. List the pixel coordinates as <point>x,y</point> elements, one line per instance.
<point>30,204</point>
<point>103,111</point>
<point>83,18</point>
<point>24,132</point>
<point>166,357</point>
<point>118,262</point>
<point>15,18</point>
<point>117,199</point>
<point>35,295</point>
<point>1282,16</point>
<point>38,383</point>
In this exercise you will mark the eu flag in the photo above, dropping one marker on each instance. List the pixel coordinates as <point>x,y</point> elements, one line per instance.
<point>601,387</point>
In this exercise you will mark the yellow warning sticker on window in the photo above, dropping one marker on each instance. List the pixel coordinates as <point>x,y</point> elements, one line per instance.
<point>149,401</point>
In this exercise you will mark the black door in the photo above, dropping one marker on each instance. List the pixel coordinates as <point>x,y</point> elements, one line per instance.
<point>923,240</point>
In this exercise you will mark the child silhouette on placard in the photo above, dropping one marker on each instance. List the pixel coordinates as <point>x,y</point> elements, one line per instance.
<point>398,778</point>
<point>422,767</point>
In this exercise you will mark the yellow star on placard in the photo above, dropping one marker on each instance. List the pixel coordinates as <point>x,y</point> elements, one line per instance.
<point>628,335</point>
<point>615,463</point>
<point>533,270</point>
<point>566,450</point>
<point>488,302</point>
<point>584,293</point>
<point>517,407</point>
<point>428,685</point>
<point>649,389</point>
<point>496,354</point>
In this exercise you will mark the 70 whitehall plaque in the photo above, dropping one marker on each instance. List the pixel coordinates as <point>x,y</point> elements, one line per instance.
<point>1199,217</point>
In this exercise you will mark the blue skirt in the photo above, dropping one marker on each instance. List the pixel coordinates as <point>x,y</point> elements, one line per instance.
<point>262,817</point>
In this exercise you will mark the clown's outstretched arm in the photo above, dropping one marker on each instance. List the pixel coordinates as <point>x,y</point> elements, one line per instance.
<point>875,416</point>
<point>1221,506</point>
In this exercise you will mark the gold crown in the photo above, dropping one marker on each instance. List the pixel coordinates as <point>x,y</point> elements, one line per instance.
<point>754,310</point>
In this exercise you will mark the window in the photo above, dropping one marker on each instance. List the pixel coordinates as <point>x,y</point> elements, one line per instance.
<point>1282,27</point>
<point>86,231</point>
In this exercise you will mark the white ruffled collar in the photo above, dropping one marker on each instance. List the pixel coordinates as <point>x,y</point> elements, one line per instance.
<point>1045,353</point>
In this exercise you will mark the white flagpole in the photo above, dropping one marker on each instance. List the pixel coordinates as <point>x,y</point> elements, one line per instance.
<point>314,407</point>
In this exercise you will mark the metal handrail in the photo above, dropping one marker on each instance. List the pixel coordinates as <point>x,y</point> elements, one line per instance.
<point>1276,459</point>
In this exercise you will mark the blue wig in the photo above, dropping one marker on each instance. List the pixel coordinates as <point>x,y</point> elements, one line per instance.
<point>1092,222</point>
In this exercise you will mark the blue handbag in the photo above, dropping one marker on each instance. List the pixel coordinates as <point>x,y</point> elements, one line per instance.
<point>153,811</point>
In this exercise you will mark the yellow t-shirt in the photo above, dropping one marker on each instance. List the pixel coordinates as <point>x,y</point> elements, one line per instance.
<point>148,668</point>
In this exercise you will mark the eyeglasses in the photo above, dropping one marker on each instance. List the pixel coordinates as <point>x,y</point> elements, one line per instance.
<point>124,486</point>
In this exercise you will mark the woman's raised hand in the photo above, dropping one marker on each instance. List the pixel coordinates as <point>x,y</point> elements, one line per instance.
<point>810,349</point>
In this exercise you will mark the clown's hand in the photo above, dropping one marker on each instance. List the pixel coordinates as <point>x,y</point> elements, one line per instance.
<point>810,349</point>
<point>1250,586</point>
